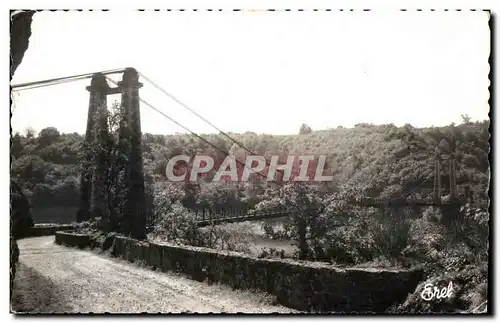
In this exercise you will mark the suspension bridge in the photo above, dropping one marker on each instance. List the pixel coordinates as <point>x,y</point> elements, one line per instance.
<point>218,215</point>
<point>93,195</point>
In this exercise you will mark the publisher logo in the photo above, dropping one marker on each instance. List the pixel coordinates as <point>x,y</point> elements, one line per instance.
<point>431,292</point>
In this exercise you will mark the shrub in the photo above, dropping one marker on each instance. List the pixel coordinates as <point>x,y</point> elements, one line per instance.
<point>225,237</point>
<point>391,233</point>
<point>91,227</point>
<point>282,230</point>
<point>272,253</point>
<point>176,225</point>
<point>20,215</point>
<point>346,244</point>
<point>268,230</point>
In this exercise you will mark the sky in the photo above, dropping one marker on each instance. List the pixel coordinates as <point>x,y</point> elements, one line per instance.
<point>266,72</point>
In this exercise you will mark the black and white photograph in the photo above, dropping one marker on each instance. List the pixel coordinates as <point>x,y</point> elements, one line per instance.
<point>250,161</point>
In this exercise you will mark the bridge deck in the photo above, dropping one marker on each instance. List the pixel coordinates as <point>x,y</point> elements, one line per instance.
<point>250,217</point>
<point>366,202</point>
<point>231,217</point>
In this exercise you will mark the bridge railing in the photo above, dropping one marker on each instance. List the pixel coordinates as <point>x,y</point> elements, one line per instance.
<point>220,212</point>
<point>232,213</point>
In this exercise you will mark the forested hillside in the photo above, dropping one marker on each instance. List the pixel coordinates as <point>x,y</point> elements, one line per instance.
<point>377,160</point>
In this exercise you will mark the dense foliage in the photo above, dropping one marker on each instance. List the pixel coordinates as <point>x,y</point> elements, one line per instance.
<point>365,161</point>
<point>373,160</point>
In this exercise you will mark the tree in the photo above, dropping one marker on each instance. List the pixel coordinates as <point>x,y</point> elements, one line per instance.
<point>29,133</point>
<point>48,136</point>
<point>16,146</point>
<point>466,119</point>
<point>305,129</point>
<point>307,204</point>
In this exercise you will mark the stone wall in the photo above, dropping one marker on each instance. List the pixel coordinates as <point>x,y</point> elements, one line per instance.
<point>72,239</point>
<point>45,230</point>
<point>305,286</point>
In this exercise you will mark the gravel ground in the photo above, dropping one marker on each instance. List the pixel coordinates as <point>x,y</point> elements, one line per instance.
<point>56,279</point>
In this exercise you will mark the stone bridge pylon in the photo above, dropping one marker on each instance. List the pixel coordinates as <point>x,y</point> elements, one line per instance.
<point>97,164</point>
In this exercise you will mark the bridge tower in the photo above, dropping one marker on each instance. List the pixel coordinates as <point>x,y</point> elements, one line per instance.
<point>93,179</point>
<point>450,210</point>
<point>437,180</point>
<point>97,107</point>
<point>452,178</point>
<point>134,216</point>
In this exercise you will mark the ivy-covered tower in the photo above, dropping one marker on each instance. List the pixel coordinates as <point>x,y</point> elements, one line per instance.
<point>94,179</point>
<point>134,208</point>
<point>92,165</point>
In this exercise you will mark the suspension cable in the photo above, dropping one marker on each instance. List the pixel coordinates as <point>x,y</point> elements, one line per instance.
<point>195,113</point>
<point>205,120</point>
<point>69,78</point>
<point>189,130</point>
<point>49,84</point>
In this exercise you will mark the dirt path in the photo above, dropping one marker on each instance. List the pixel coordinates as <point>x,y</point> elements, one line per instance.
<point>52,278</point>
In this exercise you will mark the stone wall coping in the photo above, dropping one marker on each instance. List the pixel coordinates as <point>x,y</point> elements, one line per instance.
<point>66,233</point>
<point>301,263</point>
